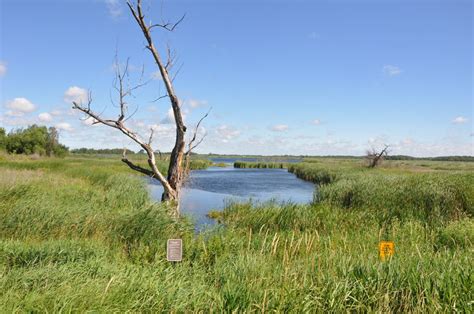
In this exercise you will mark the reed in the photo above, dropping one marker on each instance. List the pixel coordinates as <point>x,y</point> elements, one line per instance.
<point>261,165</point>
<point>82,235</point>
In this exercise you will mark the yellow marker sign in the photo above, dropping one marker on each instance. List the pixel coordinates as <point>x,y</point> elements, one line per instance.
<point>386,249</point>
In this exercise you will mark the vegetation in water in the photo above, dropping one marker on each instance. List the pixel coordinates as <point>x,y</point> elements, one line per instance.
<point>261,165</point>
<point>219,164</point>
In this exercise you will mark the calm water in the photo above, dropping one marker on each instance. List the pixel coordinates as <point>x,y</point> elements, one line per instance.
<point>214,187</point>
<point>231,160</point>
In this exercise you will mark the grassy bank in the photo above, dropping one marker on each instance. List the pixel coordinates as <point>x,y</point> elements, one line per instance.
<point>81,234</point>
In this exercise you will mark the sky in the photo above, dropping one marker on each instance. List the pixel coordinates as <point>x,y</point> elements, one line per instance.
<point>280,77</point>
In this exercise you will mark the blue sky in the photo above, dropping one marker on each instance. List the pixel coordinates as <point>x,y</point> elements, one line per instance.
<point>282,77</point>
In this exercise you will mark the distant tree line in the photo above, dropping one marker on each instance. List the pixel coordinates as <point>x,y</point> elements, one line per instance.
<point>113,151</point>
<point>104,151</point>
<point>34,139</point>
<point>441,158</point>
<point>93,151</point>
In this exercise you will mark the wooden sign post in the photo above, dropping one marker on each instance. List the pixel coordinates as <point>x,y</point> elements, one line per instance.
<point>174,250</point>
<point>386,249</point>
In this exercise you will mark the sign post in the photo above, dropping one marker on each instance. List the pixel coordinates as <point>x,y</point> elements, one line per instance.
<point>386,249</point>
<point>174,250</point>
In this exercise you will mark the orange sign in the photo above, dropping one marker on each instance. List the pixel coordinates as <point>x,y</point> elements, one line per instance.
<point>386,249</point>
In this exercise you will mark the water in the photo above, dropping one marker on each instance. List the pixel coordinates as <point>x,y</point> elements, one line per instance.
<point>231,160</point>
<point>212,188</point>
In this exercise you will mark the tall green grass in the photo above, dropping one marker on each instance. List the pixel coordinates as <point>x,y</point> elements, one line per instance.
<point>427,196</point>
<point>82,235</point>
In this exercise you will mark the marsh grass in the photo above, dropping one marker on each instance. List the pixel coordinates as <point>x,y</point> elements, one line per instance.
<point>82,235</point>
<point>261,165</point>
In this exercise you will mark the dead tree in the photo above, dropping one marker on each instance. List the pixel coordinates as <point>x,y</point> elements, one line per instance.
<point>375,158</point>
<point>177,165</point>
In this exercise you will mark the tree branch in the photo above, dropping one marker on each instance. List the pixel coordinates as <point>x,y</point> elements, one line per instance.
<point>193,139</point>
<point>136,167</point>
<point>168,25</point>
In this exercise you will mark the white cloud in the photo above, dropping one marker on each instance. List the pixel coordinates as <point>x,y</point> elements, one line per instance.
<point>114,8</point>
<point>12,113</point>
<point>226,133</point>
<point>378,141</point>
<point>442,147</point>
<point>75,94</point>
<point>162,130</point>
<point>16,121</point>
<point>460,120</point>
<point>3,68</point>
<point>169,119</point>
<point>45,117</point>
<point>391,70</point>
<point>56,112</point>
<point>195,103</point>
<point>313,35</point>
<point>316,122</point>
<point>20,106</point>
<point>279,128</point>
<point>64,126</point>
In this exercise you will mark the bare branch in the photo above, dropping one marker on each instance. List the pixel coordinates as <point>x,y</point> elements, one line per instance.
<point>161,97</point>
<point>131,89</point>
<point>375,158</point>
<point>117,124</point>
<point>168,25</point>
<point>193,139</point>
<point>138,168</point>
<point>196,145</point>
<point>150,139</point>
<point>131,116</point>
<point>176,74</point>
<point>170,60</point>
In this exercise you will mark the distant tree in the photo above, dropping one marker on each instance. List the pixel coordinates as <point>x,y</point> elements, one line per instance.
<point>31,140</point>
<point>35,140</point>
<point>375,158</point>
<point>52,140</point>
<point>3,138</point>
<point>60,150</point>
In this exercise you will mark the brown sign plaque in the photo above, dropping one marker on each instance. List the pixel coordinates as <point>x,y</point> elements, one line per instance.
<point>174,250</point>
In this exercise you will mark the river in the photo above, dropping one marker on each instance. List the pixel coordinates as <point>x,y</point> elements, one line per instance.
<point>212,188</point>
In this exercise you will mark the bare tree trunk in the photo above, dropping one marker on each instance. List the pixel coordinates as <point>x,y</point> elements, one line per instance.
<point>175,168</point>
<point>178,159</point>
<point>375,158</point>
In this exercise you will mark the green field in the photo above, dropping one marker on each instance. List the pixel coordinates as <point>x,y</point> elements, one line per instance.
<point>81,234</point>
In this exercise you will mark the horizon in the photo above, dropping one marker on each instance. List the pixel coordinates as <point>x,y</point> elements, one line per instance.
<point>286,155</point>
<point>314,79</point>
